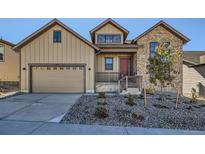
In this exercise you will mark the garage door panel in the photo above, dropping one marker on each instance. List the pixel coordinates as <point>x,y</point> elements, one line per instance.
<point>58,79</point>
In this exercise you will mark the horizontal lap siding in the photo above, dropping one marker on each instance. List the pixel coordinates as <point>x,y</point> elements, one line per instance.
<point>191,78</point>
<point>70,50</point>
<point>9,69</point>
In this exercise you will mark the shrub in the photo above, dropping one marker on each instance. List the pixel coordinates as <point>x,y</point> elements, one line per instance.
<point>137,116</point>
<point>202,105</point>
<point>130,100</point>
<point>101,101</point>
<point>101,95</point>
<point>193,96</point>
<point>141,96</point>
<point>190,108</point>
<point>150,91</point>
<point>160,106</point>
<point>101,112</point>
<point>186,100</point>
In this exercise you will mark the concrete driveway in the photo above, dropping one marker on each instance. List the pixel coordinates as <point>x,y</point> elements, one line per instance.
<point>37,107</point>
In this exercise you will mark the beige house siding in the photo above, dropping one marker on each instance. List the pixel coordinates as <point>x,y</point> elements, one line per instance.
<point>71,50</point>
<point>191,77</point>
<point>100,60</point>
<point>9,68</point>
<point>109,29</point>
<point>141,57</point>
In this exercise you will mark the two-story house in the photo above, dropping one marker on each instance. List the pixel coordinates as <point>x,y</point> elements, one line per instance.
<point>57,59</point>
<point>9,65</point>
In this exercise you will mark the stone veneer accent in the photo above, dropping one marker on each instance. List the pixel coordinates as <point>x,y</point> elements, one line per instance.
<point>141,57</point>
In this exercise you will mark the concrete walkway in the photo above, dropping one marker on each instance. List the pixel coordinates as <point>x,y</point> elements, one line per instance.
<point>41,128</point>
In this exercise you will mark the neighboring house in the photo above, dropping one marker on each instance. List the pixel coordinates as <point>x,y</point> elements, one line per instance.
<point>9,65</point>
<point>57,59</point>
<point>193,72</point>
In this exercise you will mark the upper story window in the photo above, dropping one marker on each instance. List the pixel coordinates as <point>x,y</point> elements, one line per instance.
<point>1,53</point>
<point>109,38</point>
<point>152,48</point>
<point>57,36</point>
<point>108,63</point>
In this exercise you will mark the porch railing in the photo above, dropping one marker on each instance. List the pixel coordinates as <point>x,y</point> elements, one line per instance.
<point>130,82</point>
<point>107,76</point>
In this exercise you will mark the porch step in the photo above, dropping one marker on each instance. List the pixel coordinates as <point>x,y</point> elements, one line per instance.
<point>106,87</point>
<point>132,91</point>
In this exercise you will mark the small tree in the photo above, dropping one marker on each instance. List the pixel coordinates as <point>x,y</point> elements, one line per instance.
<point>176,58</point>
<point>160,67</point>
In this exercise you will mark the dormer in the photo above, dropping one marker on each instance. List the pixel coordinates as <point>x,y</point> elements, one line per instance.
<point>109,32</point>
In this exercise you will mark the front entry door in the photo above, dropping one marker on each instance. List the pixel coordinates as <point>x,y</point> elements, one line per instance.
<point>124,66</point>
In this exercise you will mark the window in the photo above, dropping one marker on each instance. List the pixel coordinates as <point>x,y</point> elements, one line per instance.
<point>57,36</point>
<point>1,53</point>
<point>109,38</point>
<point>153,46</point>
<point>108,63</point>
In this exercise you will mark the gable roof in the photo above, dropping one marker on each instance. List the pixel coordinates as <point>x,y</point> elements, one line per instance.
<point>193,56</point>
<point>48,26</point>
<point>198,65</point>
<point>6,42</point>
<point>168,27</point>
<point>111,21</point>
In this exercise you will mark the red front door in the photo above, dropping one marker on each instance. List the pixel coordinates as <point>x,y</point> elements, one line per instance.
<point>124,66</point>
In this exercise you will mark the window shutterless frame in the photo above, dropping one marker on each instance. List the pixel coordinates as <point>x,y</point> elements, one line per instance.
<point>56,36</point>
<point>152,48</point>
<point>2,53</point>
<point>109,38</point>
<point>108,63</point>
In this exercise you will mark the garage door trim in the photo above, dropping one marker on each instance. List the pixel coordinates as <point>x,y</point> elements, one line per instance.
<point>56,65</point>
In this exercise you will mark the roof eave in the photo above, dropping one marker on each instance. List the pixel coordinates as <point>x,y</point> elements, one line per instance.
<point>183,37</point>
<point>7,42</point>
<point>184,60</point>
<point>54,21</point>
<point>125,31</point>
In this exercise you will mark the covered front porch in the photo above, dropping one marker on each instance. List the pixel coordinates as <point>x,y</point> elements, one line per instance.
<point>115,73</point>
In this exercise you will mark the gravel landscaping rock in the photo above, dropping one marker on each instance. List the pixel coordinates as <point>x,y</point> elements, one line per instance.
<point>156,114</point>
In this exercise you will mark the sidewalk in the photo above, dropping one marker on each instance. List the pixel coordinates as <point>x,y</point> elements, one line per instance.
<point>40,128</point>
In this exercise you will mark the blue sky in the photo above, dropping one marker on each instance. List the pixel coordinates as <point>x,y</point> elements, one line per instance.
<point>14,30</point>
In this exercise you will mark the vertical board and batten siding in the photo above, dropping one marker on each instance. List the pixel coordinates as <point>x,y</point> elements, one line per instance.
<point>9,68</point>
<point>191,77</point>
<point>100,60</point>
<point>71,50</point>
<point>109,29</point>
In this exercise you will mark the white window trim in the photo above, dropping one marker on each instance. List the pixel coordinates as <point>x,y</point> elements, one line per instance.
<point>3,53</point>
